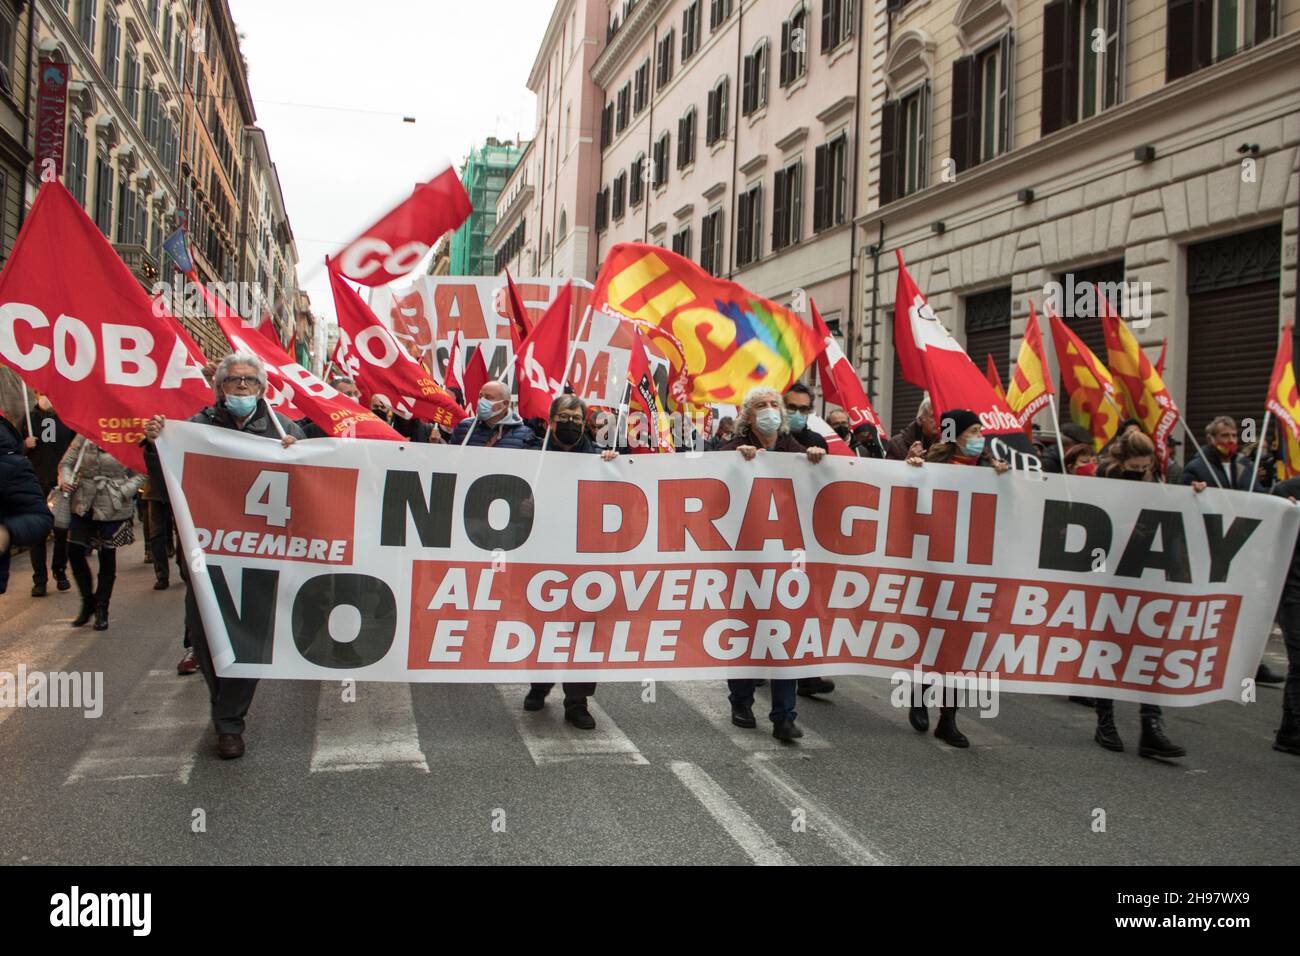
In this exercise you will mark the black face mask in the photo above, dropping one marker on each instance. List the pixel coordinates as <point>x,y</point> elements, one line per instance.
<point>569,433</point>
<point>843,431</point>
<point>1133,475</point>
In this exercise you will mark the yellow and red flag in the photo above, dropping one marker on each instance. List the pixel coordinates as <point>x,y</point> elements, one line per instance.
<point>1284,403</point>
<point>720,339</point>
<point>1031,388</point>
<point>645,396</point>
<point>1093,403</point>
<point>995,380</point>
<point>1144,394</point>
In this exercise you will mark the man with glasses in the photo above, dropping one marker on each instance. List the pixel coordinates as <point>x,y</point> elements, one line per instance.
<point>568,433</point>
<point>798,406</point>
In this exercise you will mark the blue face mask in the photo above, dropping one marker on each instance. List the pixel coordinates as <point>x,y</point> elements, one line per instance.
<point>486,408</point>
<point>973,447</point>
<point>767,421</point>
<point>798,421</point>
<point>241,406</point>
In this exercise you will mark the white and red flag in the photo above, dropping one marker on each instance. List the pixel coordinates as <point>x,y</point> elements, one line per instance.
<point>540,362</point>
<point>77,325</point>
<point>834,443</point>
<point>295,391</point>
<point>840,382</point>
<point>932,359</point>
<point>381,366</point>
<point>394,245</point>
<point>454,376</point>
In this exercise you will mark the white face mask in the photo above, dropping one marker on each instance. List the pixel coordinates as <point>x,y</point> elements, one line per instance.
<point>767,421</point>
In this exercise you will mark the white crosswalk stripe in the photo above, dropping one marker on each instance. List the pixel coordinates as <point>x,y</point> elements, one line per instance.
<point>740,826</point>
<point>551,740</point>
<point>377,729</point>
<point>48,647</point>
<point>709,700</point>
<point>873,694</point>
<point>155,733</point>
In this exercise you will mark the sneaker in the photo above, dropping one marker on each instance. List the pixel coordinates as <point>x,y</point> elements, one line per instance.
<point>187,665</point>
<point>38,590</point>
<point>742,715</point>
<point>579,716</point>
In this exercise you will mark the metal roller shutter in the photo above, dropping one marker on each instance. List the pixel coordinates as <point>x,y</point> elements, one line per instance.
<point>988,330</point>
<point>907,398</point>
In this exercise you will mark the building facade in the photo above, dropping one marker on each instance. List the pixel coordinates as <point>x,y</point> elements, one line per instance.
<point>484,175</point>
<point>512,238</point>
<point>1016,149</point>
<point>16,117</point>
<point>270,259</point>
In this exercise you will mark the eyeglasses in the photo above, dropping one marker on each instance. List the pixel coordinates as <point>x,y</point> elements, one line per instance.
<point>572,419</point>
<point>249,380</point>
<point>798,409</point>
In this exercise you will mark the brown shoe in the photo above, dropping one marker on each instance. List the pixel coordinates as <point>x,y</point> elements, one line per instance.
<point>230,746</point>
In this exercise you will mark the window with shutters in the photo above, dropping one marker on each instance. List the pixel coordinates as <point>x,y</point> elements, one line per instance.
<point>904,144</point>
<point>1202,32</point>
<point>719,10</point>
<point>830,183</point>
<point>837,23</point>
<point>753,94</point>
<point>104,195</point>
<point>607,125</point>
<point>125,212</point>
<point>682,242</point>
<point>636,187</point>
<point>602,210</point>
<point>794,45</point>
<point>787,205</point>
<point>686,139</point>
<point>1083,60</point>
<point>716,118</point>
<point>624,108</point>
<point>111,53</point>
<point>749,225</point>
<point>86,22</point>
<point>690,30</point>
<point>1240,24</point>
<point>664,68</point>
<point>711,243</point>
<point>620,195</point>
<point>981,104</point>
<point>641,94</point>
<point>74,162</point>
<point>660,170</point>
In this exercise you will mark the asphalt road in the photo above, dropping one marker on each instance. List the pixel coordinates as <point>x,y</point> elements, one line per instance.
<point>431,773</point>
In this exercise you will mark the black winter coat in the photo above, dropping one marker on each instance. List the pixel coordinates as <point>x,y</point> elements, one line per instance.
<point>22,502</point>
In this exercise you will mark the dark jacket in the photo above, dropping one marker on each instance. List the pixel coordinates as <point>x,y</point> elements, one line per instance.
<point>1234,475</point>
<point>897,446</point>
<point>784,442</point>
<point>219,416</point>
<point>945,453</point>
<point>585,446</point>
<point>22,503</point>
<point>510,432</point>
<point>810,439</point>
<point>1290,488</point>
<point>46,455</point>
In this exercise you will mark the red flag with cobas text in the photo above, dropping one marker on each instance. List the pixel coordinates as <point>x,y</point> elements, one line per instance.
<point>78,326</point>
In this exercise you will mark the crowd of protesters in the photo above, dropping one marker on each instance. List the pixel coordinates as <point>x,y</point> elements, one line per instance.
<point>55,483</point>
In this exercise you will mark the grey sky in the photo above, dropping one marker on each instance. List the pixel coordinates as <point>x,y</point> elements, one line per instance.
<point>331,81</point>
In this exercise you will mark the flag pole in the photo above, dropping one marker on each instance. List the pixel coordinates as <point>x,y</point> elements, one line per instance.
<point>275,419</point>
<point>27,409</point>
<point>1056,417</point>
<point>1259,452</point>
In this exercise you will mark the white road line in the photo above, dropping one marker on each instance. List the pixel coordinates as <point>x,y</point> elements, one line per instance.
<point>873,694</point>
<point>834,832</point>
<point>709,700</point>
<point>49,647</point>
<point>155,733</point>
<point>740,826</point>
<point>374,731</point>
<point>550,739</point>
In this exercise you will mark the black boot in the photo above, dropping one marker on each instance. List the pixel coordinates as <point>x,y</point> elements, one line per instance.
<point>535,699</point>
<point>809,686</point>
<point>101,617</point>
<point>947,730</point>
<point>1106,734</point>
<point>87,612</point>
<point>576,713</point>
<point>742,715</point>
<point>39,589</point>
<point>1154,743</point>
<point>919,718</point>
<point>785,730</point>
<point>1266,675</point>
<point>1288,735</point>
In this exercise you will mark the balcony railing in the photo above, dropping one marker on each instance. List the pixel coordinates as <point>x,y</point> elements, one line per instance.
<point>139,260</point>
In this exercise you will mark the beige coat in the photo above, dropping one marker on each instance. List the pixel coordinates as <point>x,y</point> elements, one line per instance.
<point>106,488</point>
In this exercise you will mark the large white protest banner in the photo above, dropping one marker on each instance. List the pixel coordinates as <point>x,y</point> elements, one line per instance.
<point>384,561</point>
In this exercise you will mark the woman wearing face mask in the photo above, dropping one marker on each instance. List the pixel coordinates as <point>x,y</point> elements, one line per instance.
<point>1132,457</point>
<point>1080,460</point>
<point>762,426</point>
<point>568,434</point>
<point>961,442</point>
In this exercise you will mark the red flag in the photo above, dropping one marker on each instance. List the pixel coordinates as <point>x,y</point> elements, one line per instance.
<point>1160,362</point>
<point>291,349</point>
<point>834,443</point>
<point>76,324</point>
<point>476,376</point>
<point>455,373</point>
<point>926,349</point>
<point>645,396</point>
<point>381,366</point>
<point>519,329</point>
<point>394,246</point>
<point>292,387</point>
<point>540,361</point>
<point>840,382</point>
<point>992,377</point>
